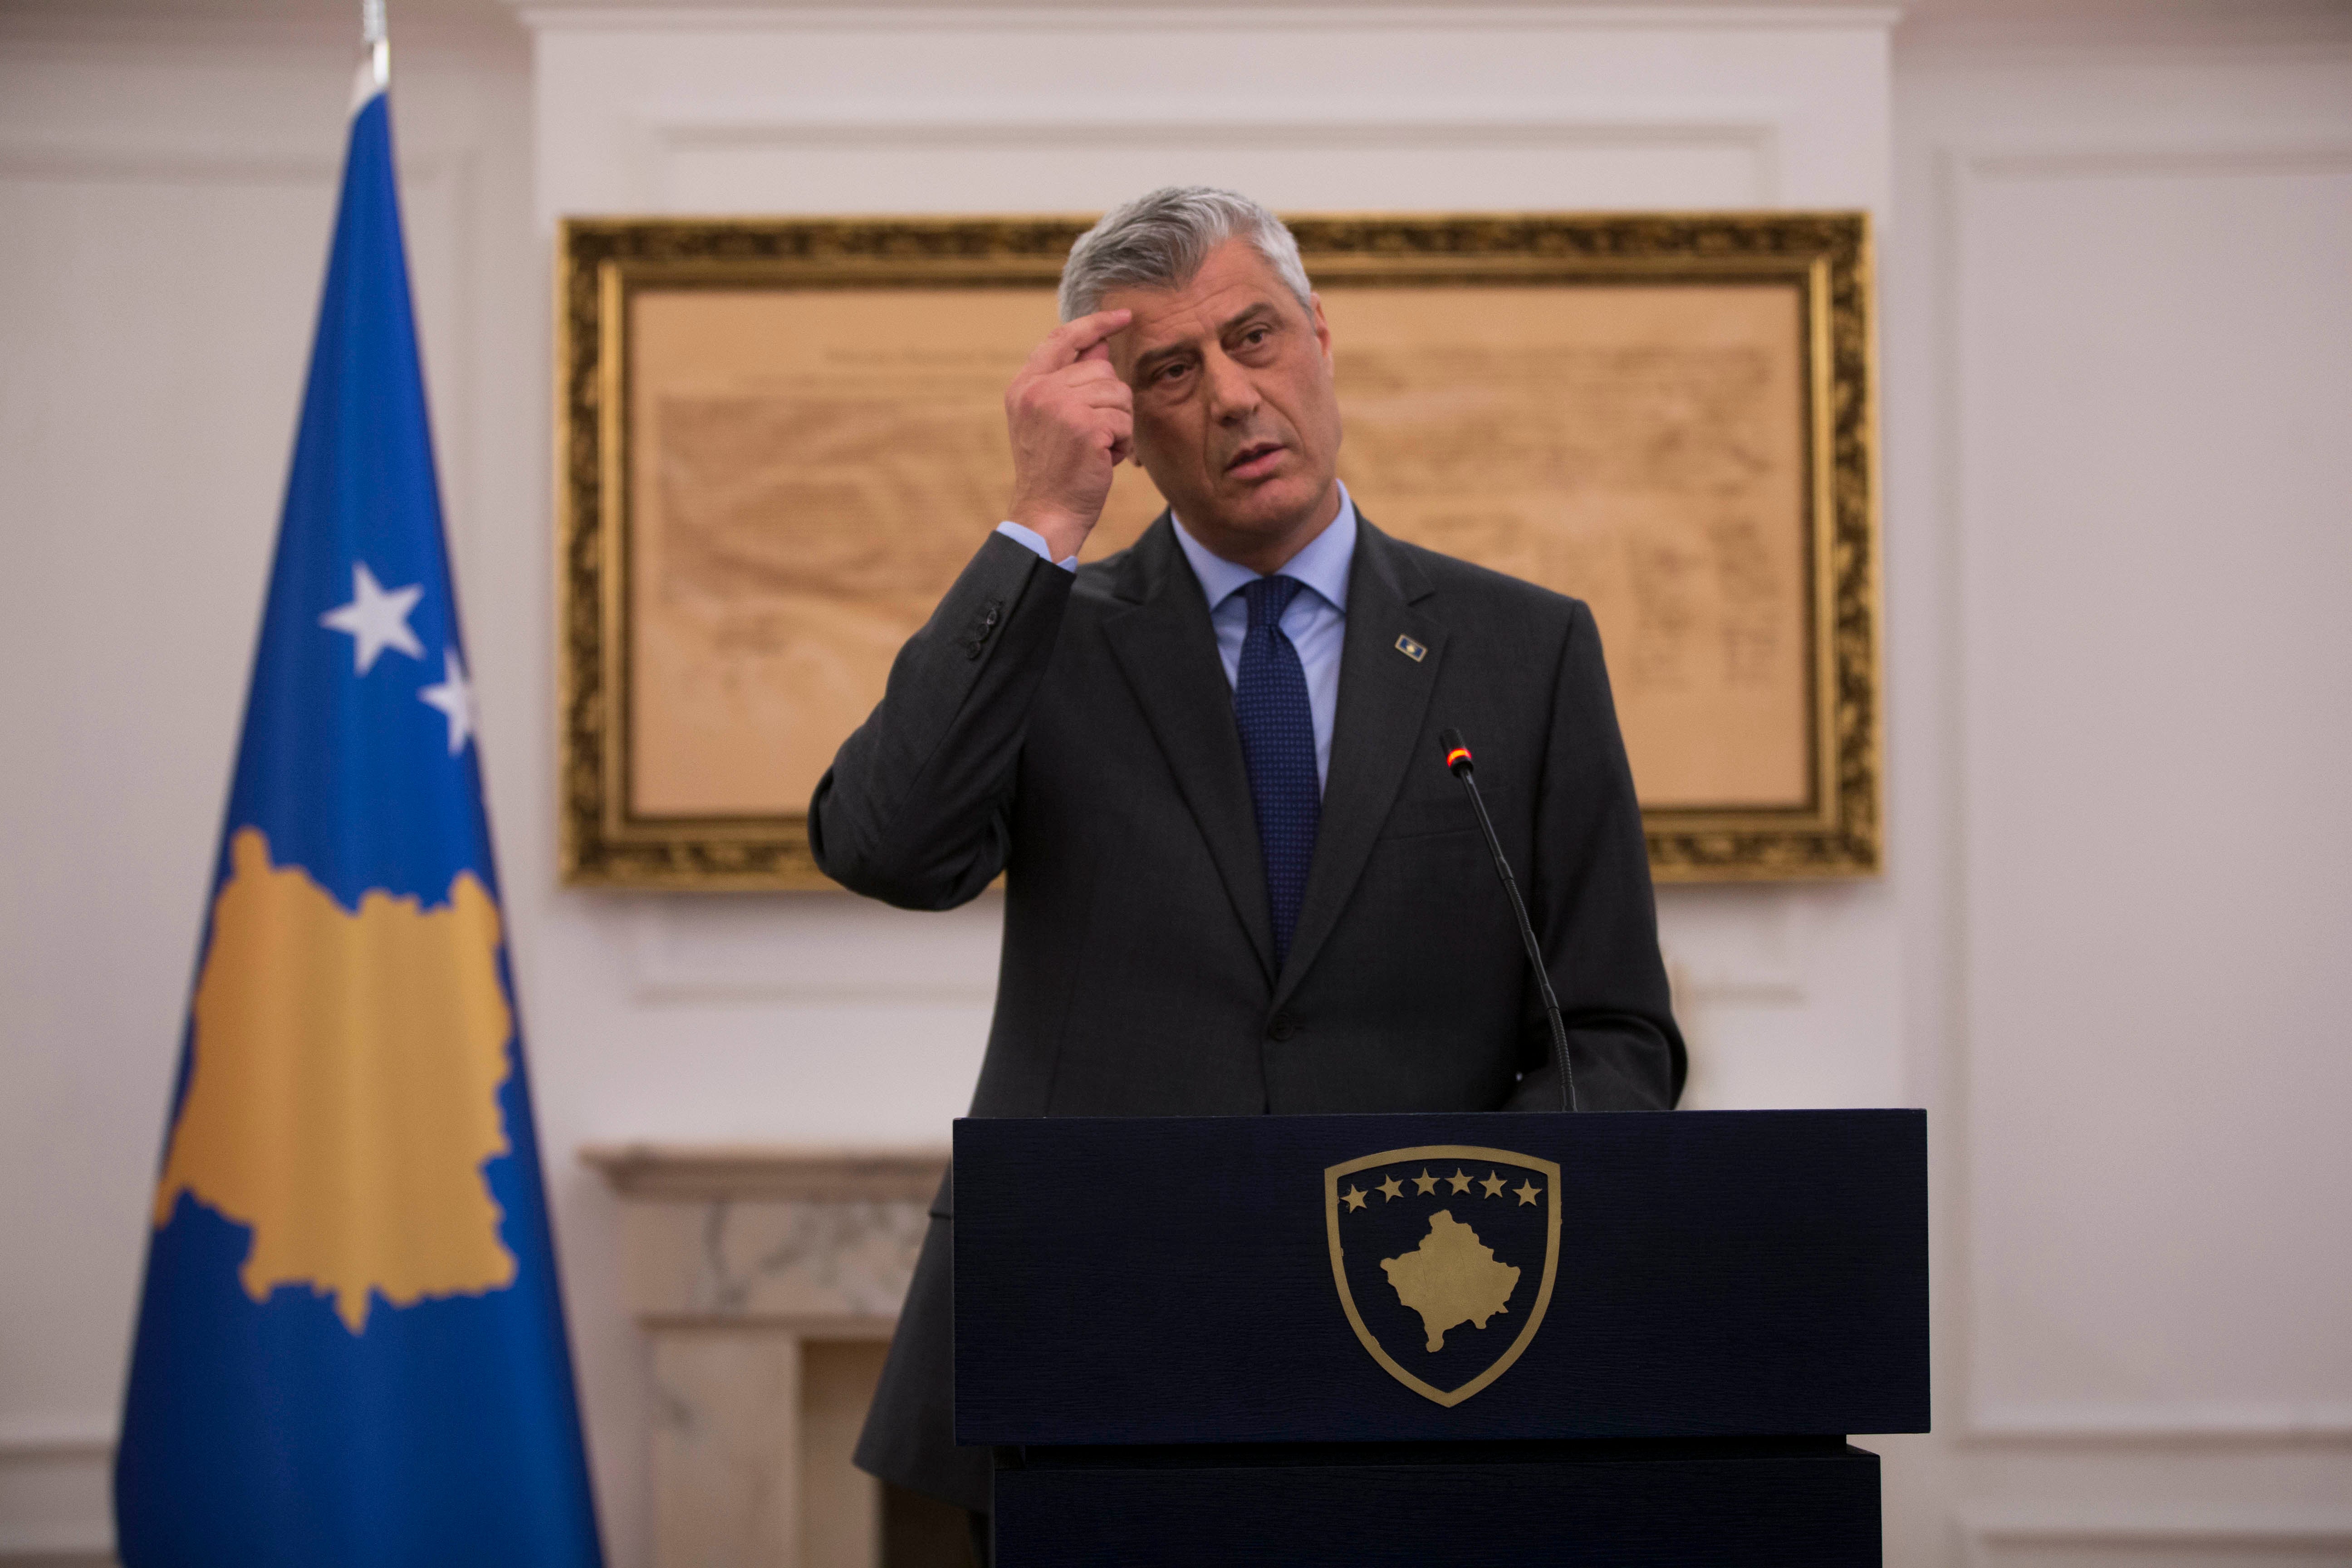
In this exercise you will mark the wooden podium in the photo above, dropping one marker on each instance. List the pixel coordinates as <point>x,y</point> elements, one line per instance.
<point>1494,1340</point>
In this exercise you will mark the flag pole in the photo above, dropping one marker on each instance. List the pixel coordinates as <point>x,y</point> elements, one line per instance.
<point>372,40</point>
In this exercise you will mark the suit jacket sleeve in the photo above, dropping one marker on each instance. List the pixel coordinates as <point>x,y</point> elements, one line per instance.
<point>916,808</point>
<point>1593,911</point>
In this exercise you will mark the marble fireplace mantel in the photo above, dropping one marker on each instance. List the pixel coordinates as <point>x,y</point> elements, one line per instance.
<point>768,1282</point>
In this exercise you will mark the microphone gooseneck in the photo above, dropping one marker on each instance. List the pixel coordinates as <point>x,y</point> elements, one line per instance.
<point>1459,763</point>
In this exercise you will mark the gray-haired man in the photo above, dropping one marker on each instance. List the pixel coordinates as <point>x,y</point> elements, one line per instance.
<point>1238,877</point>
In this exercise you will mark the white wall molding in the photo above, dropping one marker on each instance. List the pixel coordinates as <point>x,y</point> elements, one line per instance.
<point>2317,151</point>
<point>49,1439</point>
<point>36,1546</point>
<point>2178,1423</point>
<point>2105,31</point>
<point>56,1473</point>
<point>1738,946</point>
<point>2289,1534</point>
<point>664,135</point>
<point>811,948</point>
<point>443,178</point>
<point>244,30</point>
<point>194,160</point>
<point>1966,171</point>
<point>31,159</point>
<point>997,123</point>
<point>632,16</point>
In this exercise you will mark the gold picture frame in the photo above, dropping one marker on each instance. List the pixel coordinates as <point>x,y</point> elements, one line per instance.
<point>1820,817</point>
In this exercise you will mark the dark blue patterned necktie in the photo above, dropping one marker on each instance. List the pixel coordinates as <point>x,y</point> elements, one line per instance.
<point>1278,746</point>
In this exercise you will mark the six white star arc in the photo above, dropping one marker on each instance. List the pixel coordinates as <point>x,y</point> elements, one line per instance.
<point>377,619</point>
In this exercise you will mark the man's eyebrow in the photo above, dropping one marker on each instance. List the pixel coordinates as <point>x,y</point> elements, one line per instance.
<point>1262,308</point>
<point>1248,313</point>
<point>1155,357</point>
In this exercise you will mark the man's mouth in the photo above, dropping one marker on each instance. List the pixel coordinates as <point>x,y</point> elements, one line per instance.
<point>1254,459</point>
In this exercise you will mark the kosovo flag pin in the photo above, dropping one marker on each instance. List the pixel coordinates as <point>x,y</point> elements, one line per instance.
<point>1411,649</point>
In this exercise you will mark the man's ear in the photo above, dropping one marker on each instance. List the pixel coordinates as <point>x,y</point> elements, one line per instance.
<point>1322,327</point>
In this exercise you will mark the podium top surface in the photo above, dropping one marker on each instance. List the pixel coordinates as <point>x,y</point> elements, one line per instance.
<point>1354,1279</point>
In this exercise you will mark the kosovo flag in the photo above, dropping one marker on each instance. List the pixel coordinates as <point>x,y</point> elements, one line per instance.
<point>351,1347</point>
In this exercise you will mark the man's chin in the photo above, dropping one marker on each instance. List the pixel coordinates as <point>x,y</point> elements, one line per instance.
<point>1273,505</point>
<point>1238,526</point>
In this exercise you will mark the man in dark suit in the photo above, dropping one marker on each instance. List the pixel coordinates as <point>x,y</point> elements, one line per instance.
<point>1238,876</point>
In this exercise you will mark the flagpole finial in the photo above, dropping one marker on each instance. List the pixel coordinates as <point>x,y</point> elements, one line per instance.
<point>372,40</point>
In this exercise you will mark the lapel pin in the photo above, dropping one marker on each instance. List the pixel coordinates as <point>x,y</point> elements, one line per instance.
<point>1411,649</point>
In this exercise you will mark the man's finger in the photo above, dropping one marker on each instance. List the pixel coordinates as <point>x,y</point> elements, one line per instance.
<point>1107,392</point>
<point>1091,372</point>
<point>1069,342</point>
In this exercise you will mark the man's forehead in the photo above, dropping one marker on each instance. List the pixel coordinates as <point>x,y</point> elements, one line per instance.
<point>1230,282</point>
<point>1181,321</point>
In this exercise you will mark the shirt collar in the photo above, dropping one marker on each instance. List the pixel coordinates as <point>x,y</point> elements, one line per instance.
<point>1323,565</point>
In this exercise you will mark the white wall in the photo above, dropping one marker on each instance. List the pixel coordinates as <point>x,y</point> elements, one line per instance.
<point>2116,352</point>
<point>2121,351</point>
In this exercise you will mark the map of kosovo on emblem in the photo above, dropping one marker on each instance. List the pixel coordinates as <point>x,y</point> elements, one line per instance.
<point>1445,1258</point>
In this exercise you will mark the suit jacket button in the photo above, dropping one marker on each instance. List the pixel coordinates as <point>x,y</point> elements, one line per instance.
<point>1284,1027</point>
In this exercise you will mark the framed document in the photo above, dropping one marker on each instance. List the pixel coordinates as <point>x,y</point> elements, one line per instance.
<point>780,441</point>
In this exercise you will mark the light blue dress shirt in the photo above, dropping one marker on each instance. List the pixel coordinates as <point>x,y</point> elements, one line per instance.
<point>1315,623</point>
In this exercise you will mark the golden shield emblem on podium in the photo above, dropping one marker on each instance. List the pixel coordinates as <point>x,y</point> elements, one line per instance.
<point>1445,1258</point>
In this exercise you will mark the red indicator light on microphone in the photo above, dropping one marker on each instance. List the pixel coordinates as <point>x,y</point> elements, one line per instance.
<point>1457,754</point>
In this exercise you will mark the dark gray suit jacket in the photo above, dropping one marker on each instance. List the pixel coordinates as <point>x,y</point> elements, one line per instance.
<point>1076,733</point>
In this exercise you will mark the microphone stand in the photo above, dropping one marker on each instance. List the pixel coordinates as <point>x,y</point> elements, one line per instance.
<point>1457,762</point>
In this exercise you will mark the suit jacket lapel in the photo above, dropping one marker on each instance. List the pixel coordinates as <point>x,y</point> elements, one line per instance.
<point>1168,650</point>
<point>1384,693</point>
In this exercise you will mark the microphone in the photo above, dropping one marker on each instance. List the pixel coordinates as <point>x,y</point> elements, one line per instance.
<point>1459,764</point>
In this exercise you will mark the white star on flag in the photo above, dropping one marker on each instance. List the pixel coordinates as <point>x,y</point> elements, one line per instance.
<point>455,697</point>
<point>375,620</point>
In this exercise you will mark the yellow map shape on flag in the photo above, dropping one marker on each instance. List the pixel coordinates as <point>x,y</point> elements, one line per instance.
<point>344,1092</point>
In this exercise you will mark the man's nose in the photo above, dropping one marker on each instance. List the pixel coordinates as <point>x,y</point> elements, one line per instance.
<point>1232,394</point>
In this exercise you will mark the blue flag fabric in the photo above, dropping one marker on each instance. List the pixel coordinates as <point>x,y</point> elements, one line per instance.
<point>351,1346</point>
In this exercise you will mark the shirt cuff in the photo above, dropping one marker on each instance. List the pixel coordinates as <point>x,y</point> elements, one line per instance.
<point>1036,542</point>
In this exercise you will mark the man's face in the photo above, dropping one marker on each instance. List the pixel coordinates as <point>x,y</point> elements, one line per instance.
<point>1236,419</point>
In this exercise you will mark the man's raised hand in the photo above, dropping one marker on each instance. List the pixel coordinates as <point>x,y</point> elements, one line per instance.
<point>1072,422</point>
